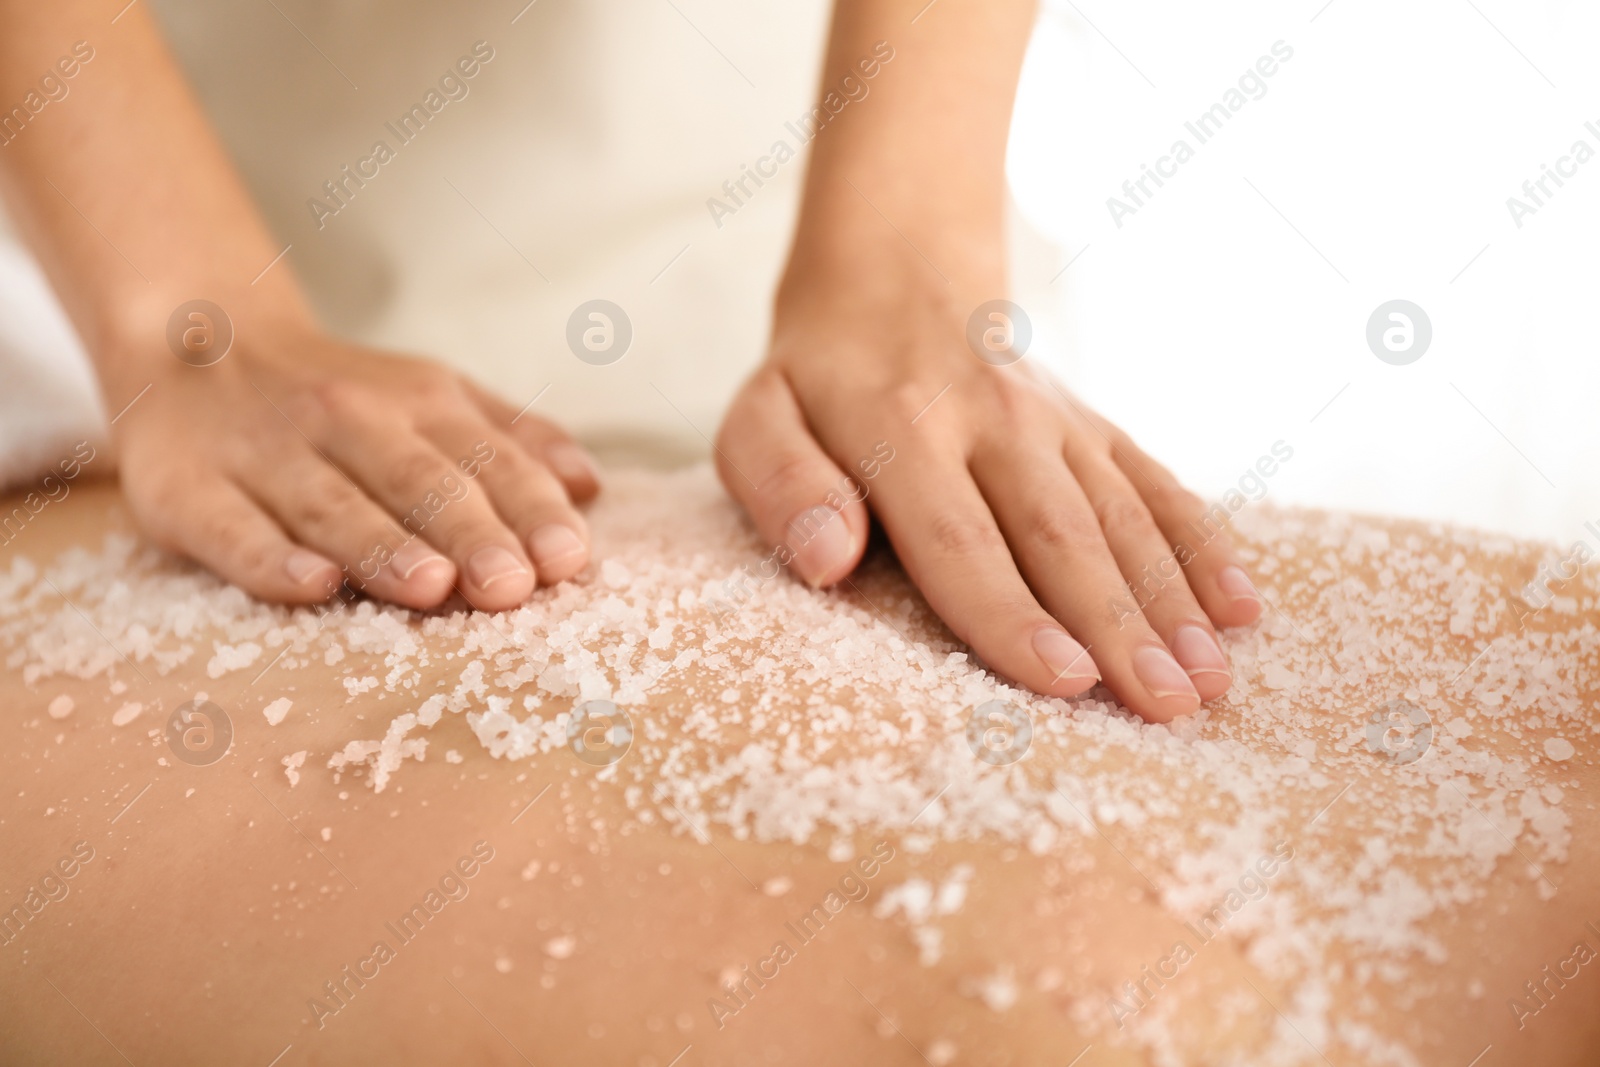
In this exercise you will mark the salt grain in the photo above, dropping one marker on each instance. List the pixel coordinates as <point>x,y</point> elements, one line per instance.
<point>1558,748</point>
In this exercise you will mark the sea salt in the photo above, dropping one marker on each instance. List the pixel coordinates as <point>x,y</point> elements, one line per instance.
<point>1558,748</point>
<point>837,719</point>
<point>276,710</point>
<point>291,766</point>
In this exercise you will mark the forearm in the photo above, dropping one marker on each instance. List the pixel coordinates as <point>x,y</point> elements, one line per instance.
<point>923,152</point>
<point>122,188</point>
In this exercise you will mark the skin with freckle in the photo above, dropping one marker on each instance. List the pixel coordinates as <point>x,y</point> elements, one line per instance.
<point>595,927</point>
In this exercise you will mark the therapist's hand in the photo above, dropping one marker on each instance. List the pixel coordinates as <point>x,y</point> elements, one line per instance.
<point>298,462</point>
<point>1021,515</point>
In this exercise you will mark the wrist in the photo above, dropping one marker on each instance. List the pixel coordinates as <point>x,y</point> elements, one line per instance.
<point>160,328</point>
<point>873,251</point>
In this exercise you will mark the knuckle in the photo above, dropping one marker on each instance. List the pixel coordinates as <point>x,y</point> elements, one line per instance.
<point>792,477</point>
<point>955,534</point>
<point>338,396</point>
<point>906,401</point>
<point>319,510</point>
<point>1063,530</point>
<point>250,553</point>
<point>410,472</point>
<point>1120,514</point>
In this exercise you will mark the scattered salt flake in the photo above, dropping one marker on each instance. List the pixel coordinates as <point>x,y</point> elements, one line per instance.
<point>327,833</point>
<point>187,793</point>
<point>356,686</point>
<point>452,756</point>
<point>291,767</point>
<point>997,990</point>
<point>61,707</point>
<point>502,964</point>
<point>1277,676</point>
<point>942,1052</point>
<point>560,948</point>
<point>531,871</point>
<point>778,886</point>
<point>232,657</point>
<point>615,575</point>
<point>127,713</point>
<point>276,710</point>
<point>1558,748</point>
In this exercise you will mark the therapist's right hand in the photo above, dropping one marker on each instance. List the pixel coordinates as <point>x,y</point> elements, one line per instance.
<point>297,463</point>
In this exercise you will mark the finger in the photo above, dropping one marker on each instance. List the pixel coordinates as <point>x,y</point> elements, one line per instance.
<point>324,510</point>
<point>795,494</point>
<point>950,545</point>
<point>214,523</point>
<point>1155,580</point>
<point>543,442</point>
<point>1198,535</point>
<point>526,495</point>
<point>1052,528</point>
<point>409,477</point>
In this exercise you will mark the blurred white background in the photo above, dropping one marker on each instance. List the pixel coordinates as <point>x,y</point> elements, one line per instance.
<point>1208,327</point>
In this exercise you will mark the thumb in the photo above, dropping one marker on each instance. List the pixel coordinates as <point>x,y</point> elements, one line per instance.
<point>799,499</point>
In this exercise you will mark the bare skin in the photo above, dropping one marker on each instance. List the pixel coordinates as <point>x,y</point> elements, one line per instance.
<point>285,466</point>
<point>205,922</point>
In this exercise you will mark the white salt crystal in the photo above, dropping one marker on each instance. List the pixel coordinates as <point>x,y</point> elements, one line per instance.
<point>61,707</point>
<point>615,574</point>
<point>127,713</point>
<point>560,948</point>
<point>327,833</point>
<point>291,766</point>
<point>232,657</point>
<point>1558,748</point>
<point>276,710</point>
<point>778,886</point>
<point>452,756</point>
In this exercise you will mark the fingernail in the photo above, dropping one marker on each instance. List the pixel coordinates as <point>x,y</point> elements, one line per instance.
<point>572,462</point>
<point>491,564</point>
<point>554,543</point>
<point>1236,585</point>
<point>303,565</point>
<point>1067,660</point>
<point>1161,674</point>
<point>410,559</point>
<point>822,544</point>
<point>1198,651</point>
